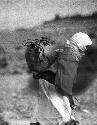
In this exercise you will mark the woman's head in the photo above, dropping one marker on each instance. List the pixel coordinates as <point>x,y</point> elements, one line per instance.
<point>81,40</point>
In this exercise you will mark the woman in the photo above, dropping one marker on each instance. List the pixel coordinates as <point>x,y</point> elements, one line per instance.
<point>63,73</point>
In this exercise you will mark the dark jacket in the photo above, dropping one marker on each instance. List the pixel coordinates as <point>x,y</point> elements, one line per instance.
<point>65,69</point>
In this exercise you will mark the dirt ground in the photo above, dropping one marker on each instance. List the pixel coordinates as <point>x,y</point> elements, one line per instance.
<point>22,103</point>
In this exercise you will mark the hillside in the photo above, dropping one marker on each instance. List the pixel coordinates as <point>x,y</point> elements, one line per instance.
<point>16,86</point>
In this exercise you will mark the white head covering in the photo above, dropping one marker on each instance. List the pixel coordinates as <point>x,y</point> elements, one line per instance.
<point>81,40</point>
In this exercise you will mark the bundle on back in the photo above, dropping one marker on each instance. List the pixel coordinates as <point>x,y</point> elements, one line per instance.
<point>37,58</point>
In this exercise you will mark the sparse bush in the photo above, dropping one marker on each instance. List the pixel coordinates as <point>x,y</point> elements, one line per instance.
<point>3,60</point>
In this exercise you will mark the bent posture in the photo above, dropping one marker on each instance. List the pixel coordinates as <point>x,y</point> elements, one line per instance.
<point>64,71</point>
